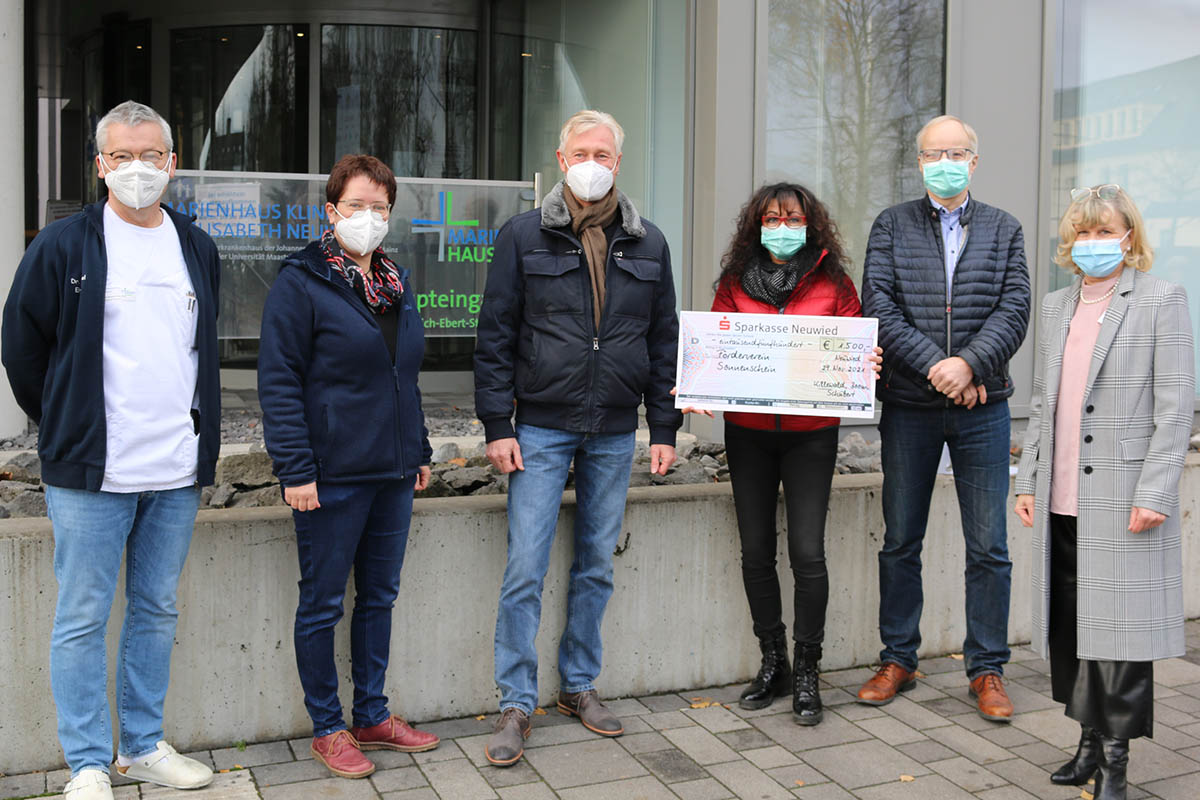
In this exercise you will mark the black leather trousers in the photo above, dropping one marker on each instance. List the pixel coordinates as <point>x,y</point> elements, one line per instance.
<point>1114,697</point>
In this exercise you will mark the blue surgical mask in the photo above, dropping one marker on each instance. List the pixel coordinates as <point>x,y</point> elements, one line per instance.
<point>947,178</point>
<point>783,242</point>
<point>1097,258</point>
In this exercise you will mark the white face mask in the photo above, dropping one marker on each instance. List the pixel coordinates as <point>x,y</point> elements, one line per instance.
<point>589,180</point>
<point>362,231</point>
<point>137,184</point>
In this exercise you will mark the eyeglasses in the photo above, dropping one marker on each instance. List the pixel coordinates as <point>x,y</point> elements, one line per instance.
<point>954,153</point>
<point>774,221</point>
<point>151,157</point>
<point>382,209</point>
<point>1105,191</point>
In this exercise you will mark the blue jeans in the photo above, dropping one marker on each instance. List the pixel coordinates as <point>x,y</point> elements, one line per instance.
<point>603,463</point>
<point>978,441</point>
<point>361,527</point>
<point>91,531</point>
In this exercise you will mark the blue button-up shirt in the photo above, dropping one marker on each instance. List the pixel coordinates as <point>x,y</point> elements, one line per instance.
<point>952,237</point>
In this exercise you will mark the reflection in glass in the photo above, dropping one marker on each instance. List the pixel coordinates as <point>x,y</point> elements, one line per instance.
<point>404,95</point>
<point>1125,111</point>
<point>239,97</point>
<point>849,85</point>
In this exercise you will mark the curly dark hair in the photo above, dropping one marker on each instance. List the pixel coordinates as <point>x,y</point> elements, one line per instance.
<point>746,244</point>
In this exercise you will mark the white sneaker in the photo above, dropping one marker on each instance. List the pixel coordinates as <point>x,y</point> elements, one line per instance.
<point>89,784</point>
<point>167,768</point>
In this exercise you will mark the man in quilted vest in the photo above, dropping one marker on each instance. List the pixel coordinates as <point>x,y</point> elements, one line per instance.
<point>946,277</point>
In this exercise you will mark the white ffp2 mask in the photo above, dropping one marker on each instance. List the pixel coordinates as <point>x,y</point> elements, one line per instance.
<point>589,181</point>
<point>137,184</point>
<point>362,231</point>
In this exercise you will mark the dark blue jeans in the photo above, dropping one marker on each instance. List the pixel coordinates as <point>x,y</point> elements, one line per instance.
<point>361,527</point>
<point>978,440</point>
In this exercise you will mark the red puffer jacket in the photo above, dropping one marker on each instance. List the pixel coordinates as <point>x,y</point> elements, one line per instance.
<point>815,295</point>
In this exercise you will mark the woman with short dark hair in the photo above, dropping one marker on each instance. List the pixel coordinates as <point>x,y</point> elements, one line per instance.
<point>341,347</point>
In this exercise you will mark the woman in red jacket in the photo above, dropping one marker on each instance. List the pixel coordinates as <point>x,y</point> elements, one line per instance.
<point>786,258</point>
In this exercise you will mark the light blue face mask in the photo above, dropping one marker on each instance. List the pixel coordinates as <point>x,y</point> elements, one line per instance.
<point>947,178</point>
<point>1097,258</point>
<point>783,242</point>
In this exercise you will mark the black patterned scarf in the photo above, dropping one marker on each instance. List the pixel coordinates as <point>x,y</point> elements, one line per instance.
<point>771,283</point>
<point>381,290</point>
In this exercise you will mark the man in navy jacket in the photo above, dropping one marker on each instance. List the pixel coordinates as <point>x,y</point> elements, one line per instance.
<point>946,277</point>
<point>578,328</point>
<point>110,343</point>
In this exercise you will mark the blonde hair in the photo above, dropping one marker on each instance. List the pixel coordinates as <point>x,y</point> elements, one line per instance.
<point>1090,211</point>
<point>971,135</point>
<point>587,119</point>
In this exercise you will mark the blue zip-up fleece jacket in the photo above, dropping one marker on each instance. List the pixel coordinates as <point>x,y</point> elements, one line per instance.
<point>538,343</point>
<point>53,345</point>
<point>335,408</point>
<point>982,320</point>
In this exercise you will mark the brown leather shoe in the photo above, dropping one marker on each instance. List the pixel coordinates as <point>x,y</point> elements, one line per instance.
<point>591,712</point>
<point>889,679</point>
<point>507,742</point>
<point>394,733</point>
<point>340,754</point>
<point>992,700</point>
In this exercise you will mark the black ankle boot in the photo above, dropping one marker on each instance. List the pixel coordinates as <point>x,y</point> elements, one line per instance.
<point>1110,777</point>
<point>806,691</point>
<point>773,676</point>
<point>1080,769</point>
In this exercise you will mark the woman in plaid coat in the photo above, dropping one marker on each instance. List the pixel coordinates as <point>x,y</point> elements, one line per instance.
<point>1109,425</point>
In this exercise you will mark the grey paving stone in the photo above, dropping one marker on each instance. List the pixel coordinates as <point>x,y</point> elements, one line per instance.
<point>863,764</point>
<point>645,742</point>
<point>301,748</point>
<point>664,702</point>
<point>797,738</point>
<point>22,785</point>
<point>56,780</point>
<point>1007,736</point>
<point>704,789</point>
<point>926,751</point>
<point>502,777</point>
<point>837,698</point>
<point>1176,672</point>
<point>626,707</point>
<point>1040,753</point>
<point>747,781</point>
<point>700,745</point>
<point>969,744</point>
<point>1033,779</point>
<point>397,780</point>
<point>823,791</point>
<point>924,692</point>
<point>745,740</point>
<point>1008,792</point>
<point>1181,787</point>
<point>528,791</point>
<point>289,772</point>
<point>663,720</point>
<point>203,756</point>
<point>636,724</point>
<point>913,714</point>
<point>795,775</point>
<point>237,785</point>
<point>327,789</point>
<point>1192,752</point>
<point>1049,726</point>
<point>855,677</point>
<point>857,711</point>
<point>967,774</point>
<point>1025,699</point>
<point>1162,691</point>
<point>932,666</point>
<point>945,706</point>
<point>949,681</point>
<point>975,723</point>
<point>1036,683</point>
<point>424,793</point>
<point>1192,689</point>
<point>473,746</point>
<point>770,757</point>
<point>466,726</point>
<point>1017,671</point>
<point>717,719</point>
<point>254,755</point>
<point>596,761</point>
<point>390,759</point>
<point>728,694</point>
<point>445,751</point>
<point>1192,729</point>
<point>647,788</point>
<point>559,734</point>
<point>672,766</point>
<point>890,730</point>
<point>458,779</point>
<point>1149,762</point>
<point>1182,702</point>
<point>929,787</point>
<point>1165,715</point>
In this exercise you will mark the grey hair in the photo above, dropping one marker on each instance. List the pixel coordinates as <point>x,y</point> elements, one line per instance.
<point>587,119</point>
<point>971,135</point>
<point>131,113</point>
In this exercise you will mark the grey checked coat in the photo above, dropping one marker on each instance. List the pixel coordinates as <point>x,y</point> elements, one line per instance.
<point>1135,424</point>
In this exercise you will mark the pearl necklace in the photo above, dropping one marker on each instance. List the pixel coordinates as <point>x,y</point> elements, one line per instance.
<point>1099,299</point>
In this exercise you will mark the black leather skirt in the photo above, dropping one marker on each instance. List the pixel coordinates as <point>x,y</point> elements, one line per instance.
<point>1114,697</point>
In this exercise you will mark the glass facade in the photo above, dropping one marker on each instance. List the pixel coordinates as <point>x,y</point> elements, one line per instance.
<point>1125,111</point>
<point>849,84</point>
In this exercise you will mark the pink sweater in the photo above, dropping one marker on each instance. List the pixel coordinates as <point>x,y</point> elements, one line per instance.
<point>1076,361</point>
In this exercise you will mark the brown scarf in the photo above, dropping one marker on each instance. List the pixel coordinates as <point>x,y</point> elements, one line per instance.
<point>588,223</point>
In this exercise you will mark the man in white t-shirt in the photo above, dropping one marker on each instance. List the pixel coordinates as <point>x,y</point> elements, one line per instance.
<point>119,303</point>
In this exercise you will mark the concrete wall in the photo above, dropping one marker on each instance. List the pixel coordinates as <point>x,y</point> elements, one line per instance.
<point>678,619</point>
<point>12,133</point>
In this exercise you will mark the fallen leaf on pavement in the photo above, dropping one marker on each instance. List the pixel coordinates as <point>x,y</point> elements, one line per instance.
<point>907,779</point>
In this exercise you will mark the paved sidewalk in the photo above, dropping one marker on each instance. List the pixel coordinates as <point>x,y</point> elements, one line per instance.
<point>927,745</point>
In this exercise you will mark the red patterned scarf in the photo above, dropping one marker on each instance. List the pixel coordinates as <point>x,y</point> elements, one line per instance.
<point>379,290</point>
